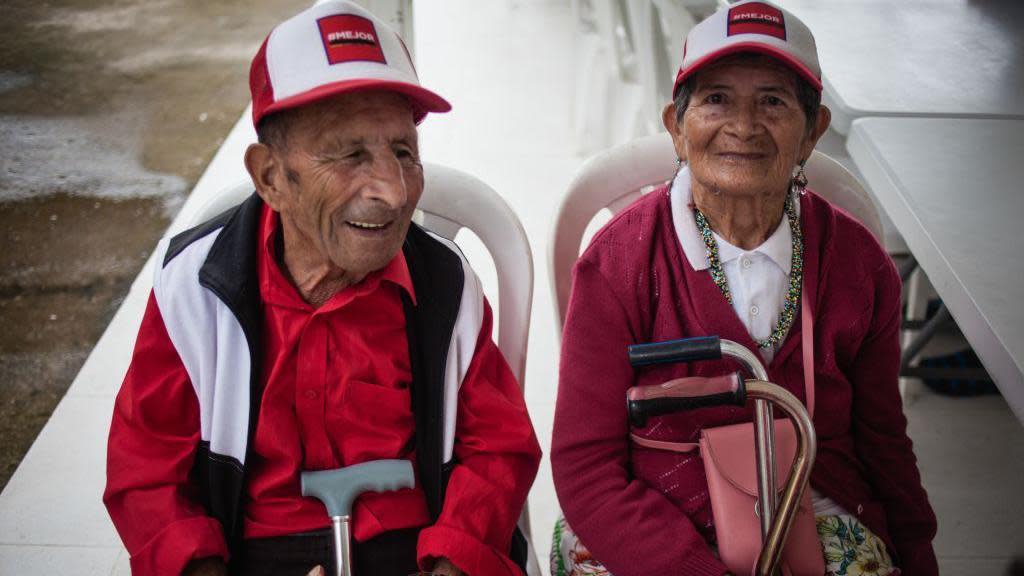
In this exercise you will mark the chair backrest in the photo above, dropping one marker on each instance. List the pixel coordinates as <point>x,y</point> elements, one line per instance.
<point>613,179</point>
<point>453,200</point>
<point>835,183</point>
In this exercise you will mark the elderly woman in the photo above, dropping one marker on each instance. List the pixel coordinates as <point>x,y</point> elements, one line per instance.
<point>729,248</point>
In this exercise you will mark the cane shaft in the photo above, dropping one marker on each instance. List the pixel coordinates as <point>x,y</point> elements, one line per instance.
<point>807,447</point>
<point>341,527</point>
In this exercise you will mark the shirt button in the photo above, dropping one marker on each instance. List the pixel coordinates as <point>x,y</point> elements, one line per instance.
<point>311,394</point>
<point>745,262</point>
<point>754,310</point>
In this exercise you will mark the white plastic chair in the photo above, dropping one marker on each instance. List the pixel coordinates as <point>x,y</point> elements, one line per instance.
<point>615,178</point>
<point>453,200</point>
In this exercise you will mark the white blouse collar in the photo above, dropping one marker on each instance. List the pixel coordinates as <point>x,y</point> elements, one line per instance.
<point>778,247</point>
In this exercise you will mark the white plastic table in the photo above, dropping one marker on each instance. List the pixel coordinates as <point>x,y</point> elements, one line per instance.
<point>954,188</point>
<point>917,58</point>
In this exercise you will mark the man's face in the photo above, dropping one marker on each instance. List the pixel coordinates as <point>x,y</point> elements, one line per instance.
<point>349,179</point>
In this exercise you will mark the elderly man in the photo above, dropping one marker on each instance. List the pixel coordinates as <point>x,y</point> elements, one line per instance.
<point>314,327</point>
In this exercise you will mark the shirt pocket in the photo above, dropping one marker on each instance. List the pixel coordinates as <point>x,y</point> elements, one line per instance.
<point>375,422</point>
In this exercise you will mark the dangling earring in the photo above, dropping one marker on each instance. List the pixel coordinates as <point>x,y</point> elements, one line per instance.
<point>800,179</point>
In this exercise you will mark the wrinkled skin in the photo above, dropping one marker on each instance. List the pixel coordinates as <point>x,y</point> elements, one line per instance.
<point>345,182</point>
<point>742,135</point>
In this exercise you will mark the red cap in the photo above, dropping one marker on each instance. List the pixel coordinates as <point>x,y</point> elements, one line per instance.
<point>751,26</point>
<point>333,48</point>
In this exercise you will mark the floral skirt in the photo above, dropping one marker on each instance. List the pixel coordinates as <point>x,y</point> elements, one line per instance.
<point>850,549</point>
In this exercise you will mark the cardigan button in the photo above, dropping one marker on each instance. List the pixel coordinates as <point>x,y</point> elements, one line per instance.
<point>311,394</point>
<point>860,508</point>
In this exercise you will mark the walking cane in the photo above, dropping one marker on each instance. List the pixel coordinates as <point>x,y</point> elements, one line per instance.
<point>776,514</point>
<point>339,488</point>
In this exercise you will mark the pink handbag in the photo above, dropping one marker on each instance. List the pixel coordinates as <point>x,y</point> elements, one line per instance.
<point>729,464</point>
<point>730,467</point>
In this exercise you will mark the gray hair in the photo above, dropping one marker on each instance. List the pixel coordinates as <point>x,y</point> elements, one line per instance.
<point>272,131</point>
<point>808,97</point>
<point>273,128</point>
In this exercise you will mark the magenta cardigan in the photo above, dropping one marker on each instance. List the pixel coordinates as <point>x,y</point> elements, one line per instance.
<point>642,512</point>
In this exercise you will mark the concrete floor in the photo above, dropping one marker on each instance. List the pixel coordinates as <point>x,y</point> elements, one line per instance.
<point>507,68</point>
<point>971,455</point>
<point>109,112</point>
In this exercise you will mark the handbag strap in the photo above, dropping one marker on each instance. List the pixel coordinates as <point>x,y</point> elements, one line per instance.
<point>807,339</point>
<point>681,447</point>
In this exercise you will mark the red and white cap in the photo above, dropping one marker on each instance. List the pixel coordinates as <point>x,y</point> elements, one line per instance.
<point>333,48</point>
<point>751,26</point>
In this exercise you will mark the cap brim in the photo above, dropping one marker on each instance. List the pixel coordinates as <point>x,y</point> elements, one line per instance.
<point>766,49</point>
<point>423,101</point>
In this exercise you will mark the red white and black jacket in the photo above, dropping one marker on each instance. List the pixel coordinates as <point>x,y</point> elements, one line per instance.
<point>207,291</point>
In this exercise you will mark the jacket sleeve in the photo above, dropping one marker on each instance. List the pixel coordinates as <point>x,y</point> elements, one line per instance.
<point>630,528</point>
<point>496,455</point>
<point>880,432</point>
<point>153,439</point>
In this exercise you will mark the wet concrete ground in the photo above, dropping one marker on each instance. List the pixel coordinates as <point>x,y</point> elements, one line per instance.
<point>109,112</point>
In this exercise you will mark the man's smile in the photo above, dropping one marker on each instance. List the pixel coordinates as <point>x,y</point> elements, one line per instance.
<point>367,225</point>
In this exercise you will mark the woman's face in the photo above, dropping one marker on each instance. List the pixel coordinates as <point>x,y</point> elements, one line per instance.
<point>744,129</point>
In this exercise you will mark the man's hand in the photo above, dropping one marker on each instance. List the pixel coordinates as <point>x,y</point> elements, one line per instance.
<point>444,567</point>
<point>317,571</point>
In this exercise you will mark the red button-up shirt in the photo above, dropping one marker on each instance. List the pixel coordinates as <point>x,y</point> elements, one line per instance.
<point>336,393</point>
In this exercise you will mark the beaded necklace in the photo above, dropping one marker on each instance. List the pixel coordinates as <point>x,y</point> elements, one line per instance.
<point>796,271</point>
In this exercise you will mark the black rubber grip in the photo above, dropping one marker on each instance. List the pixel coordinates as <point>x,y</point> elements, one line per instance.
<point>641,410</point>
<point>684,350</point>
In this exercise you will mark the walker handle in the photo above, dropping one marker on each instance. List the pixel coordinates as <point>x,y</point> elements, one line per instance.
<point>682,350</point>
<point>684,394</point>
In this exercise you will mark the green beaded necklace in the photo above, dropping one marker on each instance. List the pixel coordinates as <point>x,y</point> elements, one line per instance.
<point>796,271</point>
